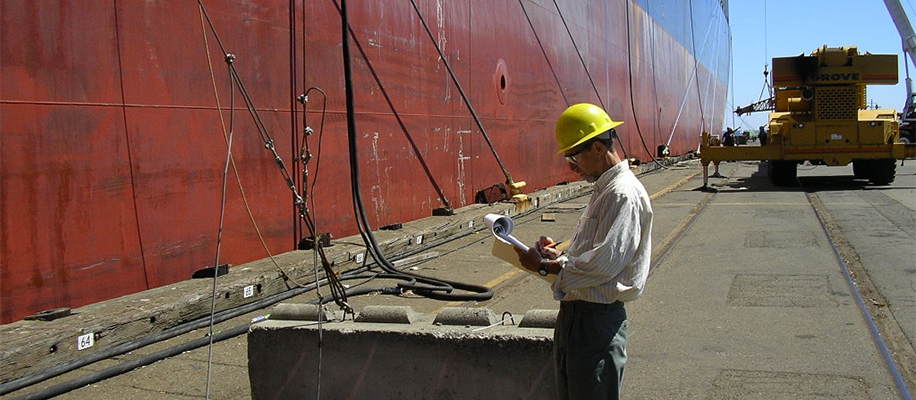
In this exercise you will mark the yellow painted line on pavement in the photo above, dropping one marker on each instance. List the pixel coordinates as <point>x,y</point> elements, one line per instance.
<point>673,186</point>
<point>504,277</point>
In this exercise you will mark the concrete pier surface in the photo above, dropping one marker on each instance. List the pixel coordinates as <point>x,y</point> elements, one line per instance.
<point>755,292</point>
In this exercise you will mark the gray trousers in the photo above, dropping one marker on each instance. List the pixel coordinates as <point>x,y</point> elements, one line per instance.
<point>590,350</point>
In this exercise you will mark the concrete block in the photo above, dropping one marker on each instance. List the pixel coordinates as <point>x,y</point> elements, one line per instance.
<point>387,314</point>
<point>466,316</point>
<point>301,312</point>
<point>539,319</point>
<point>422,360</point>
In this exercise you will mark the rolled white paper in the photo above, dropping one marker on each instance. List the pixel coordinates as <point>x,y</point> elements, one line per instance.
<point>502,227</point>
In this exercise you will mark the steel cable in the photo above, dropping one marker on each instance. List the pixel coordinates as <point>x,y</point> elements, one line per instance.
<point>544,52</point>
<point>464,96</point>
<point>334,285</point>
<point>587,72</point>
<point>219,235</point>
<point>397,116</point>
<point>439,289</point>
<point>642,138</point>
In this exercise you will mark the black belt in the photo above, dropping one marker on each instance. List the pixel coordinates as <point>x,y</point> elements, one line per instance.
<point>587,305</point>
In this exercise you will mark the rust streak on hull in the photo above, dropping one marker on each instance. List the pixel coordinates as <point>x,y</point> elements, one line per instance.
<point>112,143</point>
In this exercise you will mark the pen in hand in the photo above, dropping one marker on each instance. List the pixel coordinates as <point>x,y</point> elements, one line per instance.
<point>544,253</point>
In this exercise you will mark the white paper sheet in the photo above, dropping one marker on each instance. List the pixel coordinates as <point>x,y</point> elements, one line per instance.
<point>502,227</point>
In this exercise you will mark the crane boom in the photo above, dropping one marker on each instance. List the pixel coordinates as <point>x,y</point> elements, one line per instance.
<point>903,27</point>
<point>908,37</point>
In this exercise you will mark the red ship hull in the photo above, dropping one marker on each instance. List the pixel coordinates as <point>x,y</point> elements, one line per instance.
<point>114,119</point>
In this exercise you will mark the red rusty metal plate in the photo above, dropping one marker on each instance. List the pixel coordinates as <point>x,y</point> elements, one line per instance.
<point>70,232</point>
<point>112,143</point>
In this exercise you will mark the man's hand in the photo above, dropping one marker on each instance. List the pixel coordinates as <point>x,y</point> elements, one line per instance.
<point>547,248</point>
<point>530,259</point>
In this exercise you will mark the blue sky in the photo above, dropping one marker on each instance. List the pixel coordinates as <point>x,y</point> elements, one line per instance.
<point>793,27</point>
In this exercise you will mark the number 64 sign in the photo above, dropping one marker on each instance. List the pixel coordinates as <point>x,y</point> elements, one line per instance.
<point>85,341</point>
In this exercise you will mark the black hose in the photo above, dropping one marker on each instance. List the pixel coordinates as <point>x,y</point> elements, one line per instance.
<point>425,286</point>
<point>133,364</point>
<point>397,115</point>
<point>362,291</point>
<point>221,316</point>
<point>122,348</point>
<point>191,345</point>
<point>428,287</point>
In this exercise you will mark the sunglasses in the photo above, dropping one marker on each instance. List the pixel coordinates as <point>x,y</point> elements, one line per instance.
<point>571,158</point>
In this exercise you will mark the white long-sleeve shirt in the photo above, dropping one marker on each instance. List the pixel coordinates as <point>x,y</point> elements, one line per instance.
<point>609,254</point>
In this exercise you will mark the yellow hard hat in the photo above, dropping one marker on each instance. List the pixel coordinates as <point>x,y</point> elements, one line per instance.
<point>581,122</point>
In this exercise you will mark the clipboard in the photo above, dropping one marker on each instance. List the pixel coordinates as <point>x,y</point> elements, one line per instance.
<point>506,251</point>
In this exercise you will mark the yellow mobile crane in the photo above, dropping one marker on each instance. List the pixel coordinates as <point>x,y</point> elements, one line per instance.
<point>820,116</point>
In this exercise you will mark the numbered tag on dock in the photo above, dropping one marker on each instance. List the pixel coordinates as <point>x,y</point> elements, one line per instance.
<point>85,341</point>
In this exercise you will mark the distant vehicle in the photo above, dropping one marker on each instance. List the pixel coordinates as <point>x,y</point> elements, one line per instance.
<point>740,137</point>
<point>820,116</point>
<point>907,132</point>
<point>908,122</point>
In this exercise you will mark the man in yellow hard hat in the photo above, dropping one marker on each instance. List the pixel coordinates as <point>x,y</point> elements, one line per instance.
<point>606,263</point>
